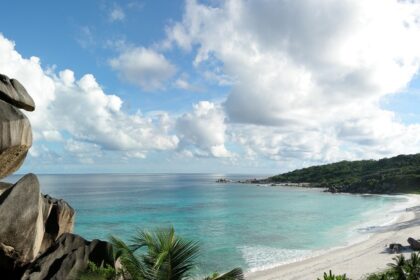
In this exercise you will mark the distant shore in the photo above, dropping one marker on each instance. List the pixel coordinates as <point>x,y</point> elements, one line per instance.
<point>266,182</point>
<point>355,260</point>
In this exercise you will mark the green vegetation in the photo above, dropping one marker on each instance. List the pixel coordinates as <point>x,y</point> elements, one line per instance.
<point>159,255</point>
<point>400,174</point>
<point>401,269</point>
<point>331,276</point>
<point>95,272</point>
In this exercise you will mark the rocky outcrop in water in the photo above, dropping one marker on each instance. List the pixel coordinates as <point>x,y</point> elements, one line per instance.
<point>35,229</point>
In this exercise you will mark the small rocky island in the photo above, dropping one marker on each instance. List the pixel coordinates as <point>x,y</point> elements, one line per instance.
<point>400,174</point>
<point>36,239</point>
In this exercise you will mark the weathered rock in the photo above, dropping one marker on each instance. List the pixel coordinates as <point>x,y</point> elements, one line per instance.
<point>68,256</point>
<point>21,219</point>
<point>10,268</point>
<point>395,248</point>
<point>58,218</point>
<point>15,138</point>
<point>4,186</point>
<point>14,93</point>
<point>30,223</point>
<point>414,244</point>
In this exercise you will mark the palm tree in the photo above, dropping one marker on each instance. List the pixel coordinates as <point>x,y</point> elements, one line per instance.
<point>161,255</point>
<point>398,268</point>
<point>413,267</point>
<point>234,274</point>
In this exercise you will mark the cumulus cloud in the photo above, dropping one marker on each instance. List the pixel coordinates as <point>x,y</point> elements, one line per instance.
<point>308,76</point>
<point>93,120</point>
<point>143,67</point>
<point>202,131</point>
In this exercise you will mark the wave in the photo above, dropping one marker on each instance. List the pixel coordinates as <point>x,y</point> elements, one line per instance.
<point>386,216</point>
<point>262,257</point>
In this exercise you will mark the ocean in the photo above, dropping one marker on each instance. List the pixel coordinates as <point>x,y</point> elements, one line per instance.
<point>237,225</point>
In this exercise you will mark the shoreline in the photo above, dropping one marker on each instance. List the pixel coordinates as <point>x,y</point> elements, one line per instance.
<point>357,258</point>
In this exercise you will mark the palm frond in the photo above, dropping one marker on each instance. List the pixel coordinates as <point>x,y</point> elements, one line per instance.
<point>234,274</point>
<point>129,261</point>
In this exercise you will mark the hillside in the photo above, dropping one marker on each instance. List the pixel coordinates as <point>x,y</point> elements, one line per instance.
<point>400,174</point>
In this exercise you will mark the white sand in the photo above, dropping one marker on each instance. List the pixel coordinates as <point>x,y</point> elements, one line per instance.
<point>355,260</point>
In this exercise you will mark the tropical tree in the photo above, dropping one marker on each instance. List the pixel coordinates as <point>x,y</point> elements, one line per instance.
<point>397,269</point>
<point>234,274</point>
<point>400,269</point>
<point>161,255</point>
<point>412,267</point>
<point>331,276</point>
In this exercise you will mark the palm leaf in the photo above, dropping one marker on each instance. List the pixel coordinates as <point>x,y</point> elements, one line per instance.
<point>234,274</point>
<point>132,267</point>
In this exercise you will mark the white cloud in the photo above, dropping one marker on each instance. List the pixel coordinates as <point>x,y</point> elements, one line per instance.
<point>183,83</point>
<point>83,111</point>
<point>202,131</point>
<point>307,76</point>
<point>116,14</point>
<point>52,135</point>
<point>143,67</point>
<point>85,37</point>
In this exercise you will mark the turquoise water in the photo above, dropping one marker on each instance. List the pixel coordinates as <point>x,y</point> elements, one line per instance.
<point>237,225</point>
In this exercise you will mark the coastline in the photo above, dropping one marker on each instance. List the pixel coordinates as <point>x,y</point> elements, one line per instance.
<point>357,258</point>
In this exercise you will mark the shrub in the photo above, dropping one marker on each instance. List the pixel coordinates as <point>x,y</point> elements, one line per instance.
<point>331,276</point>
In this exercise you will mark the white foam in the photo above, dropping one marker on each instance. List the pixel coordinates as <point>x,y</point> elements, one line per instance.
<point>386,216</point>
<point>261,257</point>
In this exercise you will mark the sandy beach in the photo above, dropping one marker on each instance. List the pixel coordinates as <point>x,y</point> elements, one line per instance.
<point>355,260</point>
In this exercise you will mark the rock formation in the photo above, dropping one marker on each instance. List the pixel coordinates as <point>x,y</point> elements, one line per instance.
<point>69,255</point>
<point>58,218</point>
<point>15,139</point>
<point>21,211</point>
<point>14,93</point>
<point>35,229</point>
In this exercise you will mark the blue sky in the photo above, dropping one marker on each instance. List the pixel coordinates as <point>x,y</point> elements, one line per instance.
<point>214,86</point>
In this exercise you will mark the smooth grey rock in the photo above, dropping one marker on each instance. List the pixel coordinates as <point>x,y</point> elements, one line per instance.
<point>58,218</point>
<point>69,255</point>
<point>21,218</point>
<point>15,138</point>
<point>14,93</point>
<point>30,223</point>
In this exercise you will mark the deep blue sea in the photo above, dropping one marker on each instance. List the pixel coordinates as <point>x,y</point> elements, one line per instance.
<point>250,226</point>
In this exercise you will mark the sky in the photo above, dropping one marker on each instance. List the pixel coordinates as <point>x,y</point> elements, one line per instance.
<point>232,86</point>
